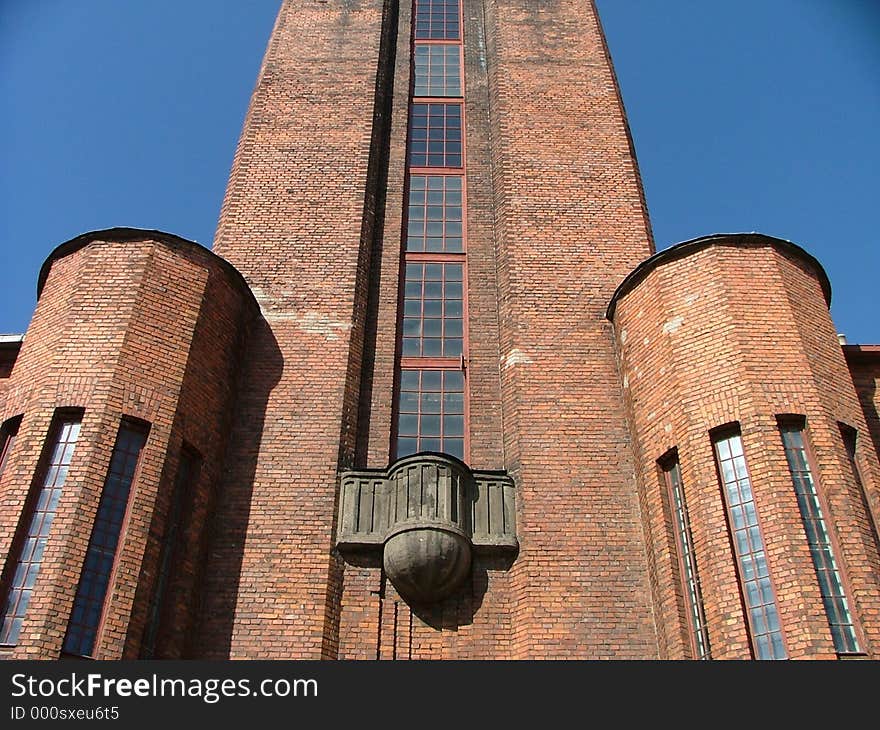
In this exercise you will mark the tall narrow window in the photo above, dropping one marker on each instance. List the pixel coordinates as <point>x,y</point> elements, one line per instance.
<point>435,214</point>
<point>431,409</point>
<point>437,19</point>
<point>850,440</point>
<point>431,413</point>
<point>88,605</point>
<point>821,547</point>
<point>176,525</point>
<point>437,70</point>
<point>696,618</point>
<point>39,512</point>
<point>8,432</point>
<point>435,135</point>
<point>432,311</point>
<point>754,575</point>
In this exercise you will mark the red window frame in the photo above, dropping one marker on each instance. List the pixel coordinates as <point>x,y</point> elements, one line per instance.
<point>177,525</point>
<point>26,556</point>
<point>747,529</point>
<point>446,154</point>
<point>429,44</point>
<point>8,433</point>
<point>814,512</point>
<point>89,611</point>
<point>698,631</point>
<point>436,9</point>
<point>422,363</point>
<point>413,253</point>
<point>445,285</point>
<point>440,413</point>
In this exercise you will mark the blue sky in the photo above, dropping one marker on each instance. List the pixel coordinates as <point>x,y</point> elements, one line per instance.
<point>754,115</point>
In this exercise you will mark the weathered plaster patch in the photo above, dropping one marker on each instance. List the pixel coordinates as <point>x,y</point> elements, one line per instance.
<point>515,357</point>
<point>673,324</point>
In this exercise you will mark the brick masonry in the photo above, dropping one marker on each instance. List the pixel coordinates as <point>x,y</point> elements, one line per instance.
<point>132,324</point>
<point>737,329</point>
<point>274,359</point>
<point>864,365</point>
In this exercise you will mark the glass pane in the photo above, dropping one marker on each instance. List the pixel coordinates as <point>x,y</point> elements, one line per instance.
<point>453,425</point>
<point>409,402</point>
<point>411,346</point>
<point>408,425</point>
<point>430,426</point>
<point>407,446</point>
<point>432,347</point>
<point>454,447</point>
<point>452,347</point>
<point>431,380</point>
<point>433,327</point>
<point>453,381</point>
<point>409,380</point>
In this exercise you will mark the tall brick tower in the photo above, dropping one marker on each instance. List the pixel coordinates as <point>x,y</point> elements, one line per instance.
<point>433,198</point>
<point>433,394</point>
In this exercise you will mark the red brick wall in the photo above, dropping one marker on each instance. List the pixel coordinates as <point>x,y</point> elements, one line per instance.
<point>864,366</point>
<point>570,224</point>
<point>113,334</point>
<point>552,229</point>
<point>739,330</point>
<point>297,221</point>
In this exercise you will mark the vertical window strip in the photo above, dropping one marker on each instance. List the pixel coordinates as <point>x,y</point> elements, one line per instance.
<point>29,556</point>
<point>430,405</point>
<point>693,594</point>
<point>850,439</point>
<point>179,514</point>
<point>432,309</point>
<point>431,412</point>
<point>437,19</point>
<point>760,599</point>
<point>436,135</point>
<point>821,548</point>
<point>437,70</point>
<point>435,214</point>
<point>8,434</point>
<point>88,605</point>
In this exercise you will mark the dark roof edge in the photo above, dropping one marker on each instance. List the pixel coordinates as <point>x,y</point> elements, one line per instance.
<point>685,248</point>
<point>123,235</point>
<point>11,342</point>
<point>861,352</point>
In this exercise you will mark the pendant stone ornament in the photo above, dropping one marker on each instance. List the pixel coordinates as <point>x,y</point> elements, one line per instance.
<point>428,513</point>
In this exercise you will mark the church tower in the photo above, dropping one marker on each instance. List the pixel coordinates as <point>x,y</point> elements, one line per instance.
<point>433,203</point>
<point>433,394</point>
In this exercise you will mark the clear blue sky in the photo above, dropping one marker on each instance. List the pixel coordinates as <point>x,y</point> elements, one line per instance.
<point>754,115</point>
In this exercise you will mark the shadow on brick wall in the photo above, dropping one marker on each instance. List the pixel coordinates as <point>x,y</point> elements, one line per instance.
<point>461,609</point>
<point>261,372</point>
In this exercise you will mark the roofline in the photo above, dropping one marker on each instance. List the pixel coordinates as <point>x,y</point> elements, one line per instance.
<point>861,353</point>
<point>127,235</point>
<point>686,248</point>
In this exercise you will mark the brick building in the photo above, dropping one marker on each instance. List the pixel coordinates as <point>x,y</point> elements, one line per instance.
<point>433,393</point>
